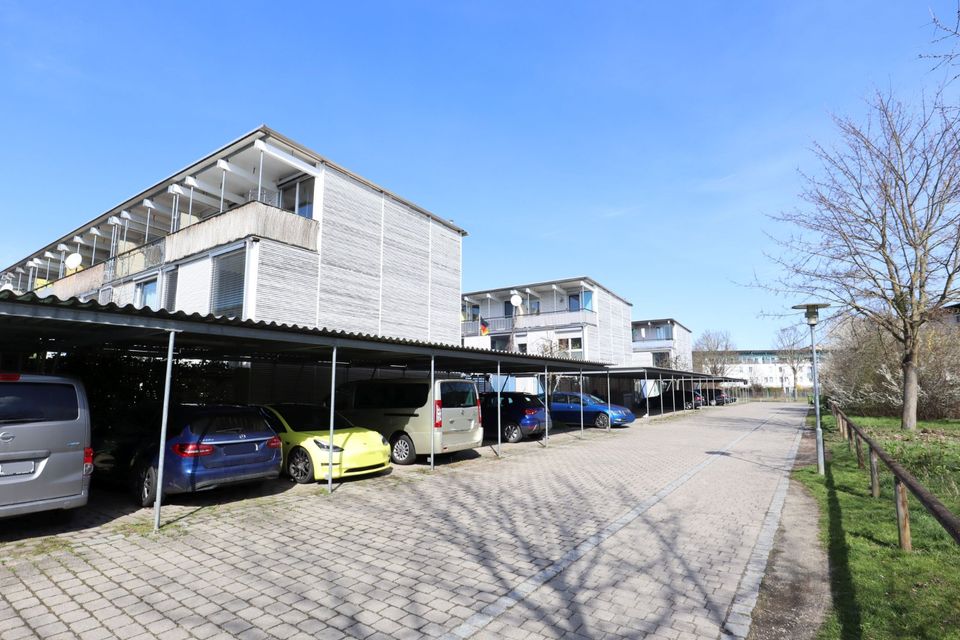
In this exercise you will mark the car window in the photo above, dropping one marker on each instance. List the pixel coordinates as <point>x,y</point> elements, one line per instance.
<point>229,423</point>
<point>385,395</point>
<point>529,401</point>
<point>560,397</point>
<point>37,402</point>
<point>458,395</point>
<point>310,417</point>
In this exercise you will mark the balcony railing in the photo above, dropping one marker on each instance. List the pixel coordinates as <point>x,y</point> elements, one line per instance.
<point>649,344</point>
<point>506,324</point>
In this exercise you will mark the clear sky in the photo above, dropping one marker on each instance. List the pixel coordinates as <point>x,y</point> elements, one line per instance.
<point>639,143</point>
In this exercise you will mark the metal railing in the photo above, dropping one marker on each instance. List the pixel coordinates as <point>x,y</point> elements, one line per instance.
<point>504,324</point>
<point>266,196</point>
<point>903,481</point>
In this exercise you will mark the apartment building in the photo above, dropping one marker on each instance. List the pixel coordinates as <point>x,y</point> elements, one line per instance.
<point>264,229</point>
<point>576,317</point>
<point>662,343</point>
<point>770,368</point>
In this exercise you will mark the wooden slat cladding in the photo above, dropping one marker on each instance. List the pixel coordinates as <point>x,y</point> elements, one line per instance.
<point>286,284</point>
<point>406,267</point>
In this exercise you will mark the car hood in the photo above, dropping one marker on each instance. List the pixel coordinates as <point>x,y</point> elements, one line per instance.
<point>344,438</point>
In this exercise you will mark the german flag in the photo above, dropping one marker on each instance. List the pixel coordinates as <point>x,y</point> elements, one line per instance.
<point>484,327</point>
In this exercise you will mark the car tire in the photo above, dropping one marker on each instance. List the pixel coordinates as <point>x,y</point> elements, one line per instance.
<point>401,449</point>
<point>145,485</point>
<point>602,421</point>
<point>300,466</point>
<point>512,432</point>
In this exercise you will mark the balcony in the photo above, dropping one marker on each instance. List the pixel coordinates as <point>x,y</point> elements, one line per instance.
<point>653,344</point>
<point>546,320</point>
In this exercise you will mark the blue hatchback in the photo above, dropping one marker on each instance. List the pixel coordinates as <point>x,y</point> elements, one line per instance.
<point>565,407</point>
<point>521,415</point>
<point>207,446</point>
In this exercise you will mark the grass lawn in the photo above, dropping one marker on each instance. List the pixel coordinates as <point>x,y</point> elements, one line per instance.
<point>880,592</point>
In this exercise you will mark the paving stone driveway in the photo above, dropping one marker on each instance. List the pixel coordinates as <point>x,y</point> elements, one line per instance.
<point>658,530</point>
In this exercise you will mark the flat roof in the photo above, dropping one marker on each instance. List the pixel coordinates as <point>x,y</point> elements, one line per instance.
<point>29,323</point>
<point>236,145</point>
<point>545,283</point>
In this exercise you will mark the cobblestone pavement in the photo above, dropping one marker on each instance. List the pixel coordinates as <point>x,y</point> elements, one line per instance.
<point>657,530</point>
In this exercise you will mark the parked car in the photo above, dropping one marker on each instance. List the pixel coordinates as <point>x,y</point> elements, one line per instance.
<point>716,397</point>
<point>565,407</point>
<point>521,415</point>
<point>400,411</point>
<point>304,430</point>
<point>45,454</point>
<point>207,446</point>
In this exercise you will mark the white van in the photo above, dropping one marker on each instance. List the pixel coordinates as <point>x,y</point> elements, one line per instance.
<point>45,454</point>
<point>399,410</point>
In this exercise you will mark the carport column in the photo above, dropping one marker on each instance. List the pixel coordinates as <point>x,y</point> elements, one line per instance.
<point>333,402</point>
<point>673,394</point>
<point>609,412</point>
<point>660,390</point>
<point>646,392</point>
<point>163,431</point>
<point>437,415</point>
<point>546,402</point>
<point>499,410</point>
<point>581,404</point>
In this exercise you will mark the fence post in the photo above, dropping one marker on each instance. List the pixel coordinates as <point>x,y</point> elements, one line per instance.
<point>874,474</point>
<point>849,437</point>
<point>856,438</point>
<point>903,514</point>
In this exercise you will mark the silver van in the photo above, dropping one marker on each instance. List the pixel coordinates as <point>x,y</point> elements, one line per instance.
<point>399,410</point>
<point>45,455</point>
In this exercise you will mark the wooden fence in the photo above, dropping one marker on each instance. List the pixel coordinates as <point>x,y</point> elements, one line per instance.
<point>902,482</point>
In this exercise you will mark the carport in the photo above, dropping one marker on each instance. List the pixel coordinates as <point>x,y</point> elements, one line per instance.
<point>675,380</point>
<point>33,325</point>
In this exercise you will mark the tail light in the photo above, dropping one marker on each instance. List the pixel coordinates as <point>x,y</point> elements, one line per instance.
<point>438,414</point>
<point>479,413</point>
<point>87,461</point>
<point>9,377</point>
<point>192,449</point>
<point>529,412</point>
<point>274,442</point>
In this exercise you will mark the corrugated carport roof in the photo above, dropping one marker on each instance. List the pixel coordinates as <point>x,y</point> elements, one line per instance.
<point>634,373</point>
<point>29,323</point>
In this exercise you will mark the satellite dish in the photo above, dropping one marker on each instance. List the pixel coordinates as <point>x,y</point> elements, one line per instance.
<point>516,300</point>
<point>73,260</point>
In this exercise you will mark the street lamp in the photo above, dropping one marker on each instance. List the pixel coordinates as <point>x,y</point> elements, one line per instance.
<point>812,314</point>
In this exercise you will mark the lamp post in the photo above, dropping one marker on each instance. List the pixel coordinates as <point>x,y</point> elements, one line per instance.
<point>812,315</point>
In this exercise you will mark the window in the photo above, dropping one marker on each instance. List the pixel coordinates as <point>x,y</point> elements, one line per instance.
<point>507,309</point>
<point>36,402</point>
<point>170,289</point>
<point>535,307</point>
<point>573,302</point>
<point>297,197</point>
<point>664,332</point>
<point>458,395</point>
<point>522,347</point>
<point>471,312</point>
<point>146,294</point>
<point>588,300</point>
<point>226,298</point>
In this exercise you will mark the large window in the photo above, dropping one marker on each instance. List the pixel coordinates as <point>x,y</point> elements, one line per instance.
<point>226,296</point>
<point>297,197</point>
<point>573,302</point>
<point>146,294</point>
<point>35,402</point>
<point>170,289</point>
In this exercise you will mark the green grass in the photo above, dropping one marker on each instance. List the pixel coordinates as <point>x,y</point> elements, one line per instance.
<point>880,592</point>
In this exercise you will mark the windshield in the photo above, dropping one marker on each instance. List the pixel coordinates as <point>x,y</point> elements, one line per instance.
<point>589,399</point>
<point>309,417</point>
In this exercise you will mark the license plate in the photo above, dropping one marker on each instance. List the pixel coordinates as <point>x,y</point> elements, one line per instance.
<point>239,448</point>
<point>16,468</point>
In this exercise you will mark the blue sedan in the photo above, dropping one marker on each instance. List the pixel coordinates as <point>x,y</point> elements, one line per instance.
<point>565,407</point>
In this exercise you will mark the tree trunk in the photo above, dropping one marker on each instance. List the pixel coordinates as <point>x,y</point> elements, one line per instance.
<point>910,392</point>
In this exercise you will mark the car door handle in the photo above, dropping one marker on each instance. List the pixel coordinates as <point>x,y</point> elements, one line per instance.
<point>24,455</point>
<point>6,436</point>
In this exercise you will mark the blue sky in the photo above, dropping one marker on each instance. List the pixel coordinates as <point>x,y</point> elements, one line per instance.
<point>641,144</point>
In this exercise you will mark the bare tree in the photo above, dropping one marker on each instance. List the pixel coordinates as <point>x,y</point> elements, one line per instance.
<point>713,352</point>
<point>792,351</point>
<point>880,235</point>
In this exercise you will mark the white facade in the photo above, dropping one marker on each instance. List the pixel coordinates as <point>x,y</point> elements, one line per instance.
<point>310,244</point>
<point>662,343</point>
<point>768,369</point>
<point>576,318</point>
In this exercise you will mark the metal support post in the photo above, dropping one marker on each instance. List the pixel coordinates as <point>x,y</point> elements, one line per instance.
<point>546,402</point>
<point>163,431</point>
<point>816,402</point>
<point>499,411</point>
<point>660,389</point>
<point>223,187</point>
<point>581,404</point>
<point>260,180</point>
<point>437,415</point>
<point>333,396</point>
<point>609,412</point>
<point>673,395</point>
<point>646,392</point>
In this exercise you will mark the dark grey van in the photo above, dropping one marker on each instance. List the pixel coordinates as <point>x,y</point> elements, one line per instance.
<point>45,454</point>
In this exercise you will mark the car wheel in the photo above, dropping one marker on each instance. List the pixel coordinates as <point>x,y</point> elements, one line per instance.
<point>512,432</point>
<point>146,486</point>
<point>402,451</point>
<point>299,466</point>
<point>602,421</point>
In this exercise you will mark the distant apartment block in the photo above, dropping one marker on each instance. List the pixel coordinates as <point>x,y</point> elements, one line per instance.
<point>578,318</point>
<point>662,343</point>
<point>769,368</point>
<point>264,229</point>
